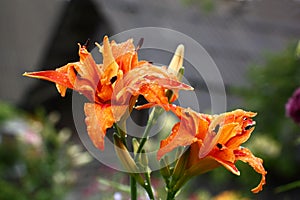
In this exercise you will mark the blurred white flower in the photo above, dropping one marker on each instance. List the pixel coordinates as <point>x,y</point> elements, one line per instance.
<point>117,196</point>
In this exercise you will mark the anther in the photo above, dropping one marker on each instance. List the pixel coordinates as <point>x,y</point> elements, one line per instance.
<point>113,79</point>
<point>219,146</point>
<point>140,43</point>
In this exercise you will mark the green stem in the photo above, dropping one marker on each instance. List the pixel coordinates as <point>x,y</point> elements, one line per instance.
<point>133,188</point>
<point>178,177</point>
<point>171,195</point>
<point>155,113</point>
<point>149,188</point>
<point>165,170</point>
<point>288,187</point>
<point>121,133</point>
<point>180,183</point>
<point>151,121</point>
<point>175,189</point>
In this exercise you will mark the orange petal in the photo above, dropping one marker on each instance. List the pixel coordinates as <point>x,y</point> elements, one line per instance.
<point>88,69</point>
<point>98,119</point>
<point>242,133</point>
<point>105,92</point>
<point>147,80</point>
<point>57,77</point>
<point>154,93</point>
<point>246,156</point>
<point>145,106</point>
<point>213,138</point>
<point>126,55</point>
<point>196,166</point>
<point>202,166</point>
<point>184,133</point>
<point>125,61</point>
<point>69,70</point>
<point>122,48</point>
<point>227,158</point>
<point>66,77</point>
<point>169,82</point>
<point>227,129</point>
<point>110,67</point>
<point>239,139</point>
<point>178,137</point>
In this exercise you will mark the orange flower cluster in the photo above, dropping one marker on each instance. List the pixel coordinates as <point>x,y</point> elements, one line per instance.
<point>113,87</point>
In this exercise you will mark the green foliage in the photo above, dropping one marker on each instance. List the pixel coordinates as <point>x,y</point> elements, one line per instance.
<point>206,5</point>
<point>37,162</point>
<point>7,111</point>
<point>298,50</point>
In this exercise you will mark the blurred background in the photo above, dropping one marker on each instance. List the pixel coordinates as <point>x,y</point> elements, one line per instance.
<point>253,43</point>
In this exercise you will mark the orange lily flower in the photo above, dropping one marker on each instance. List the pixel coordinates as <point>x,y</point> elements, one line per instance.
<point>112,86</point>
<point>214,140</point>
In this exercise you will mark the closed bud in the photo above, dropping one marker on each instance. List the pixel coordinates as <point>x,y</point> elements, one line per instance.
<point>135,145</point>
<point>177,60</point>
<point>180,166</point>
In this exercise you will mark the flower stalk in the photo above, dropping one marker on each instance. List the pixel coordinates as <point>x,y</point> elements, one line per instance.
<point>154,115</point>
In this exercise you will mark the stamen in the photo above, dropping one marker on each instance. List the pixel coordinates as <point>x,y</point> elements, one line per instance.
<point>187,113</point>
<point>86,44</point>
<point>216,129</point>
<point>248,127</point>
<point>140,43</point>
<point>219,146</point>
<point>113,79</point>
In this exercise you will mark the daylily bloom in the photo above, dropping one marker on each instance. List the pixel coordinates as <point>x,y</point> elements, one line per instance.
<point>113,86</point>
<point>214,140</point>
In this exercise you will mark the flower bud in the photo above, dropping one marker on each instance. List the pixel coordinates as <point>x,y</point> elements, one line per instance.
<point>126,159</point>
<point>177,60</point>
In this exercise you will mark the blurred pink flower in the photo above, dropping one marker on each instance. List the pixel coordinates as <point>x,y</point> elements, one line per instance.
<point>23,130</point>
<point>32,138</point>
<point>292,107</point>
